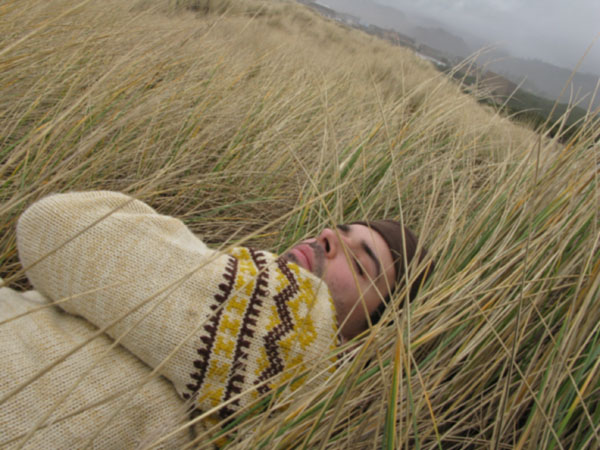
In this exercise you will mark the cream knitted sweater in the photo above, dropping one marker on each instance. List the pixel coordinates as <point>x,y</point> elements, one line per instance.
<point>224,328</point>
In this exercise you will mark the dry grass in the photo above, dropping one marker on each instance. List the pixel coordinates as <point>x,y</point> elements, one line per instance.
<point>233,115</point>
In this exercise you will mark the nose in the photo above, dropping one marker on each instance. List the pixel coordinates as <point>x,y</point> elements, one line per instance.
<point>331,241</point>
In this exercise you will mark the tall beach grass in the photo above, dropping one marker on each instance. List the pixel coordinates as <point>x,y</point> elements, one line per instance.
<point>262,123</point>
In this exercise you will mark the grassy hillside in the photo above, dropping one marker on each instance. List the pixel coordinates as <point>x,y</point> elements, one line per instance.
<point>261,123</point>
<point>564,120</point>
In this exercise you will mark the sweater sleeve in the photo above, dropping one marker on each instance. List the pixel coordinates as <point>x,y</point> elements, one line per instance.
<point>116,262</point>
<point>216,324</point>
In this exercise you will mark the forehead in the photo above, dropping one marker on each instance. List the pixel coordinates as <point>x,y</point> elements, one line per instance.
<point>380,248</point>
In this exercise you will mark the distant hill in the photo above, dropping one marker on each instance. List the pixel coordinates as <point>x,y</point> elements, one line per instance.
<point>442,40</point>
<point>382,16</point>
<point>521,104</point>
<point>541,78</point>
<point>538,77</point>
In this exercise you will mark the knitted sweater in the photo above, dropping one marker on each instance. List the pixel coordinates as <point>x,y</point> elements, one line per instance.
<point>224,328</point>
<point>99,393</point>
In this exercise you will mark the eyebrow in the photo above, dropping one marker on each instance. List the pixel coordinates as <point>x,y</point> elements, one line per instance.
<point>371,255</point>
<point>368,250</point>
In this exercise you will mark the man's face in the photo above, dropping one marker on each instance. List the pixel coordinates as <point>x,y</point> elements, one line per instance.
<point>356,264</point>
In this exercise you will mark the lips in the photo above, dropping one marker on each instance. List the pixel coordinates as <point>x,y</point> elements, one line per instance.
<point>304,255</point>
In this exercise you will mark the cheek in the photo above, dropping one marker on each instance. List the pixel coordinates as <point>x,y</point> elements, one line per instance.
<point>338,290</point>
<point>342,287</point>
<point>338,276</point>
<point>346,294</point>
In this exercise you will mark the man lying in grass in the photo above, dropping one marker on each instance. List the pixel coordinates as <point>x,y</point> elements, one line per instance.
<point>224,328</point>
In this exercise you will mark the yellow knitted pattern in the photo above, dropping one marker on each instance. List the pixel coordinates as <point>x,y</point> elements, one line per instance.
<point>269,332</point>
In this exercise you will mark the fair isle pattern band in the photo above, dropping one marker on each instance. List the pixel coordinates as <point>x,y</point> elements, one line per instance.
<point>262,330</point>
<point>211,328</point>
<point>249,322</point>
<point>284,326</point>
<point>222,366</point>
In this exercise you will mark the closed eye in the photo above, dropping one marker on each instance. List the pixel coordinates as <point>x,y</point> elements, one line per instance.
<point>358,268</point>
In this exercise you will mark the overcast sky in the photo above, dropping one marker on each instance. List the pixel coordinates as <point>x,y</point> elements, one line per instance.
<point>556,31</point>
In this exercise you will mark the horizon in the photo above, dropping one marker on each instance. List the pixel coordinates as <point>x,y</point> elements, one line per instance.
<point>533,37</point>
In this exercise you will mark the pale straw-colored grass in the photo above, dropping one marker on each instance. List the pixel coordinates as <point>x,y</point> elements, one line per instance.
<point>263,122</point>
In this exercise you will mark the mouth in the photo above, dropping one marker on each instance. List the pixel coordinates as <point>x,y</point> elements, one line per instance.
<point>304,256</point>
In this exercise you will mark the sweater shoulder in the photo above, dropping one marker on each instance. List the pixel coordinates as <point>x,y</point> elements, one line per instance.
<point>78,203</point>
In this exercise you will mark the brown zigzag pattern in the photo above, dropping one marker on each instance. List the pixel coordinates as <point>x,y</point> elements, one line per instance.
<point>277,333</point>
<point>240,356</point>
<point>211,328</point>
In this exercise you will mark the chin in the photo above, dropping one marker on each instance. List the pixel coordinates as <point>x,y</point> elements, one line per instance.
<point>289,257</point>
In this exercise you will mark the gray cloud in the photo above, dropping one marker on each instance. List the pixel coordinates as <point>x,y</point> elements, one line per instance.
<point>555,31</point>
